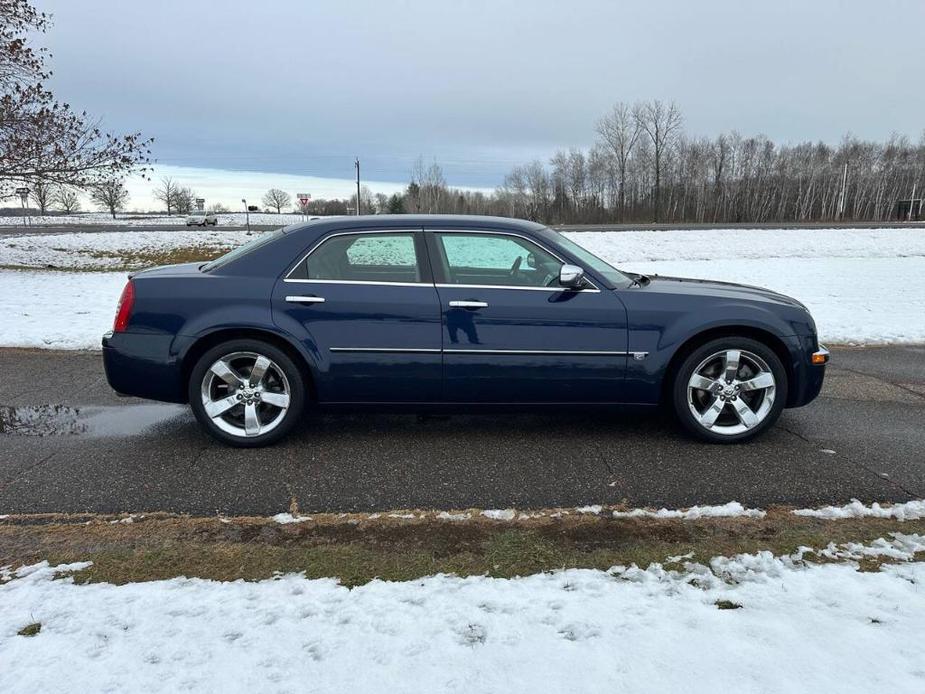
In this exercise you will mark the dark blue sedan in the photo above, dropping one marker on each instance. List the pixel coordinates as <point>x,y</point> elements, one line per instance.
<point>447,313</point>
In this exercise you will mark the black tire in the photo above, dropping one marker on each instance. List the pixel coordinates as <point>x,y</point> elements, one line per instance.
<point>293,378</point>
<point>682,406</point>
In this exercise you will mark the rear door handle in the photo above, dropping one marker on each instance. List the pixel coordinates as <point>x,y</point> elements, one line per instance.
<point>305,299</point>
<point>468,304</point>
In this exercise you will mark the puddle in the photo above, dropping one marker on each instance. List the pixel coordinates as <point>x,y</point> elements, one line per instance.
<point>61,420</point>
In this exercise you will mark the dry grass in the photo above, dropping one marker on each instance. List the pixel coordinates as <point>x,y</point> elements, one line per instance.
<point>357,549</point>
<point>132,259</point>
<point>30,629</point>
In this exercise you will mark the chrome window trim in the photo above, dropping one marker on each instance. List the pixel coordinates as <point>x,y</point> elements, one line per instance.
<point>372,282</point>
<point>359,233</point>
<point>528,289</point>
<point>593,288</point>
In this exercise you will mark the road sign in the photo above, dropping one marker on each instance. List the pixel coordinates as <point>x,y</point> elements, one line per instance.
<point>304,198</point>
<point>22,191</point>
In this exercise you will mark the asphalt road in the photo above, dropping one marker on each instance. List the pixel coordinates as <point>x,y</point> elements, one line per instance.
<point>86,450</point>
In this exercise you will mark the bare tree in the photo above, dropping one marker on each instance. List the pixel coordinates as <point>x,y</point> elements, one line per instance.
<point>42,140</point>
<point>367,201</point>
<point>277,199</point>
<point>218,208</point>
<point>41,193</point>
<point>167,193</point>
<point>619,131</point>
<point>183,200</point>
<point>67,199</point>
<point>662,123</point>
<point>110,195</point>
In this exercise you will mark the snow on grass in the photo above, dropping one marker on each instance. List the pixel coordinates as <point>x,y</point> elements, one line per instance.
<point>507,514</point>
<point>910,510</point>
<point>718,244</point>
<point>57,310</point>
<point>862,285</point>
<point>82,250</point>
<point>732,509</point>
<point>129,219</point>
<point>288,518</point>
<point>799,627</point>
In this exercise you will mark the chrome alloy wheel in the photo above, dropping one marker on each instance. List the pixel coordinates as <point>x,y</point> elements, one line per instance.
<point>245,394</point>
<point>731,391</point>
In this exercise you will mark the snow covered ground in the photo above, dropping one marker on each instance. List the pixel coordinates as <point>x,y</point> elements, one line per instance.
<point>81,250</point>
<point>862,285</point>
<point>129,219</point>
<point>788,626</point>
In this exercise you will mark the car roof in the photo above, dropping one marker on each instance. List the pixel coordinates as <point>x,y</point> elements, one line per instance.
<point>404,221</point>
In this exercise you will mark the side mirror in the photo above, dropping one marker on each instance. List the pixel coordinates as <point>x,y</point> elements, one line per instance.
<point>571,276</point>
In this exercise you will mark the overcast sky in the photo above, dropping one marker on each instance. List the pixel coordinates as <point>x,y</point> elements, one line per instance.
<point>301,87</point>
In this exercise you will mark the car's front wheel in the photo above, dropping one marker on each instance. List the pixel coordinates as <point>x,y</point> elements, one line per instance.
<point>246,393</point>
<point>730,390</point>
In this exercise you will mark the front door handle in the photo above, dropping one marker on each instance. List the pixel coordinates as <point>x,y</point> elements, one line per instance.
<point>305,299</point>
<point>468,304</point>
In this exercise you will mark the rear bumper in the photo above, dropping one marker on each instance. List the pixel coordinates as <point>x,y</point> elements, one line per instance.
<point>810,359</point>
<point>143,366</point>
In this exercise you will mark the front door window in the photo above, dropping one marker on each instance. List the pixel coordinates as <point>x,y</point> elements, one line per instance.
<point>496,260</point>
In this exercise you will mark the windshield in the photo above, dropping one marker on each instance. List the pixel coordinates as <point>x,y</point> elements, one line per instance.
<point>241,251</point>
<point>608,271</point>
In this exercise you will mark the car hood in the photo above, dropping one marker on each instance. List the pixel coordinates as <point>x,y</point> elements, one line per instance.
<point>720,290</point>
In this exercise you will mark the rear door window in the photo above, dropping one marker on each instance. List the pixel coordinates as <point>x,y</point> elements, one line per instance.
<point>364,258</point>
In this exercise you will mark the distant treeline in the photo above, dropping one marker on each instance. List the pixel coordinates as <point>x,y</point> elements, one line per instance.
<point>643,167</point>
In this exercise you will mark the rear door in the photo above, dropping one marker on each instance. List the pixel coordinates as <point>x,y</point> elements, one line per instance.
<point>512,334</point>
<point>364,303</point>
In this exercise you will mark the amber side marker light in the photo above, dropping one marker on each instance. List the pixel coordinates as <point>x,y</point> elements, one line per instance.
<point>820,357</point>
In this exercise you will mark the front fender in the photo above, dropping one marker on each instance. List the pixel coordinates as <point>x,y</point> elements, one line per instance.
<point>658,329</point>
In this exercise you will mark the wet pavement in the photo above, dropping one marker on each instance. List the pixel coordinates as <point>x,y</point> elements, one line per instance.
<point>68,444</point>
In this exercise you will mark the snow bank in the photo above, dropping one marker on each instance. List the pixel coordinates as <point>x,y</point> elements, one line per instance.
<point>733,508</point>
<point>911,510</point>
<point>799,628</point>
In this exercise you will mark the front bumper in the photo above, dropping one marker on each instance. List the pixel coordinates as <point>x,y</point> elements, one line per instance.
<point>143,366</point>
<point>808,372</point>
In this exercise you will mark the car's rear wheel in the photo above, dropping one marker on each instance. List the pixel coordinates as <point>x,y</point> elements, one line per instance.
<point>246,393</point>
<point>730,390</point>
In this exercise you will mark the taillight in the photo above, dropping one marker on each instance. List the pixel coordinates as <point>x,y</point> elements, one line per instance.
<point>124,309</point>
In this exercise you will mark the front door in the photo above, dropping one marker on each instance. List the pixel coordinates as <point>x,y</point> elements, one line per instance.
<point>512,334</point>
<point>365,305</point>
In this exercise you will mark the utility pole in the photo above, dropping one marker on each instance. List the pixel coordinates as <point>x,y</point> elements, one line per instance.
<point>247,215</point>
<point>356,163</point>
